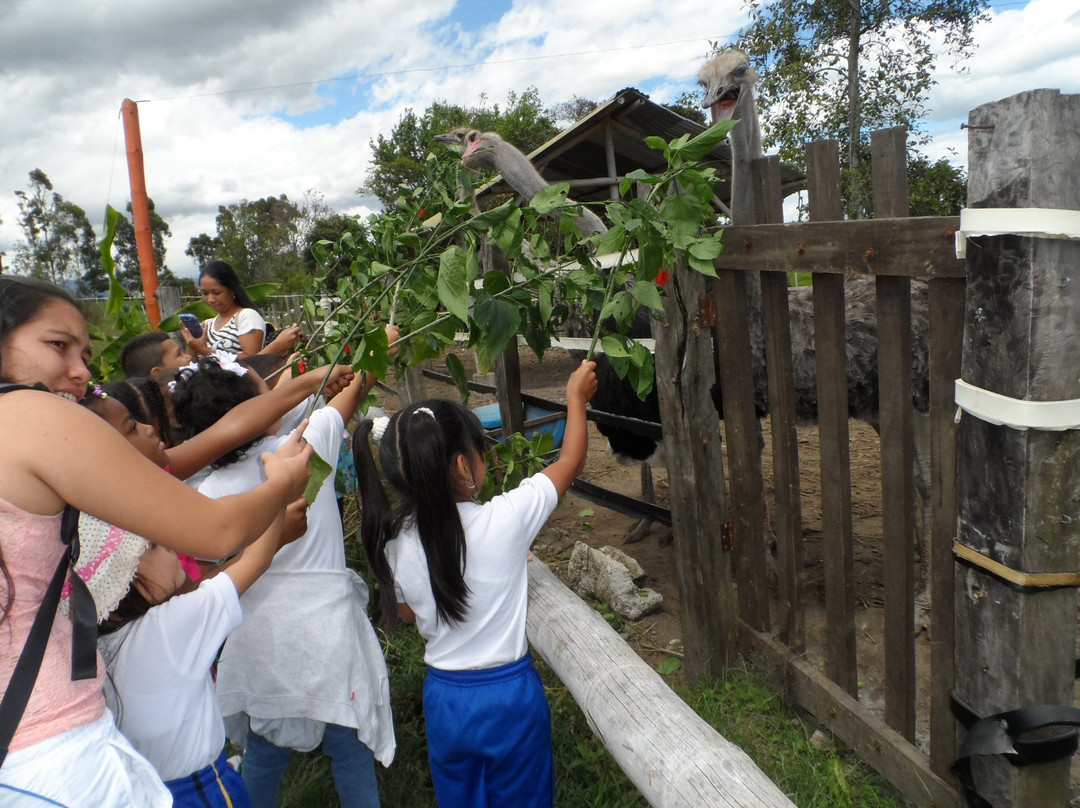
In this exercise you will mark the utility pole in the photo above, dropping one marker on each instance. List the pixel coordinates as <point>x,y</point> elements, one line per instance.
<point>140,209</point>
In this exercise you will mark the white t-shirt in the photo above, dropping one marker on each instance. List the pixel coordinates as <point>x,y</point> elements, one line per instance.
<point>159,684</point>
<point>227,338</point>
<point>498,535</point>
<point>322,546</point>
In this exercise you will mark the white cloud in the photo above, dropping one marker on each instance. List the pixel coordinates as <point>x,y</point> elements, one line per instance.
<point>244,100</point>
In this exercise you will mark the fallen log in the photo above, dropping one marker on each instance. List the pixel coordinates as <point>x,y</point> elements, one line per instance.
<point>673,757</point>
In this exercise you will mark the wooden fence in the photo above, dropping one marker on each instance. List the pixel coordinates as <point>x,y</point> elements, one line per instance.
<point>896,251</point>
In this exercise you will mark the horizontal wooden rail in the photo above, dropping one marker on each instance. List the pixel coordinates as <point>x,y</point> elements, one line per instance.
<point>919,247</point>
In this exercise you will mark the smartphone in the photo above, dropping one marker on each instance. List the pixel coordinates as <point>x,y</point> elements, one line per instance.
<point>192,324</point>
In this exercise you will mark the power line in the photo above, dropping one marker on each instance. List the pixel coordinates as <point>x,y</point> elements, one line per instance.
<point>381,74</point>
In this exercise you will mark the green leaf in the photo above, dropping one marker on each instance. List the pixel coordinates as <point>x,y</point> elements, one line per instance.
<point>697,147</point>
<point>668,666</point>
<point>550,197</point>
<point>653,142</point>
<point>453,285</point>
<point>457,373</point>
<point>497,322</point>
<point>647,295</point>
<point>495,282</point>
<point>613,347</point>
<point>258,291</point>
<point>320,470</point>
<point>585,513</point>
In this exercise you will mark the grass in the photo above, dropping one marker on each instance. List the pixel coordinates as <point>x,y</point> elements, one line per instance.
<point>742,709</point>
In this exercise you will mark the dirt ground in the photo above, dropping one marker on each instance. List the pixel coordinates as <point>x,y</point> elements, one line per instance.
<point>658,635</point>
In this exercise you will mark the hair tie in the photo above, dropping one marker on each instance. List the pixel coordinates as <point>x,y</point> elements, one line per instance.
<point>424,410</point>
<point>378,427</point>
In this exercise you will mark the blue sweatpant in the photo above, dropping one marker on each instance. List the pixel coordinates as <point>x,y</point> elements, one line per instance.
<point>489,737</point>
<point>215,786</point>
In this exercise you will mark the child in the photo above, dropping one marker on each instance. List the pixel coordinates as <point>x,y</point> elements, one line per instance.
<point>159,645</point>
<point>459,570</point>
<point>306,666</point>
<point>66,749</point>
<point>146,354</point>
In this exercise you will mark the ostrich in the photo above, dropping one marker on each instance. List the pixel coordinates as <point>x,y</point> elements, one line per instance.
<point>728,82</point>
<point>488,150</point>
<point>613,394</point>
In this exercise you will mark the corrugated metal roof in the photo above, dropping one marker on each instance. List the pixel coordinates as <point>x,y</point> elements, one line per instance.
<point>579,155</point>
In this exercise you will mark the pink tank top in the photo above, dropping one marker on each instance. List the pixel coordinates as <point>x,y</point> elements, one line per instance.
<point>32,549</point>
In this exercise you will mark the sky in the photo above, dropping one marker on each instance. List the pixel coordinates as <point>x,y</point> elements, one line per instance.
<point>255,98</point>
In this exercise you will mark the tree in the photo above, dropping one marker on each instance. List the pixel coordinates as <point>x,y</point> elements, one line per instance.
<point>399,159</point>
<point>262,240</point>
<point>128,271</point>
<point>841,68</point>
<point>60,242</point>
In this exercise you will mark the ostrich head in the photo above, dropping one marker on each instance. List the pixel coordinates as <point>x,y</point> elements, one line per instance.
<point>728,81</point>
<point>480,149</point>
<point>454,139</point>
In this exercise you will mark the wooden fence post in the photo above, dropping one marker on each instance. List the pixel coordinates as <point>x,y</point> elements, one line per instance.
<point>698,495</point>
<point>1018,490</point>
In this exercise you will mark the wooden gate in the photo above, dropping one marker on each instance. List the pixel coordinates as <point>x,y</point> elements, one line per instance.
<point>896,252</point>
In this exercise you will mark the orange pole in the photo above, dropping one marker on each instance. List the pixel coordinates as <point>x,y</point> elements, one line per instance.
<point>140,210</point>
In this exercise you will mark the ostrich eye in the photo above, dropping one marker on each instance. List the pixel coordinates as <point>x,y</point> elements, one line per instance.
<point>740,70</point>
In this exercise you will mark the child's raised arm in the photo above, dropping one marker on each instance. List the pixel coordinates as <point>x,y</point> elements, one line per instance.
<point>575,445</point>
<point>102,474</point>
<point>254,560</point>
<point>251,418</point>
<point>349,399</point>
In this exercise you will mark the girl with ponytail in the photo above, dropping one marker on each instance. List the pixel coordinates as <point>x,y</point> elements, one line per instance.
<point>458,569</point>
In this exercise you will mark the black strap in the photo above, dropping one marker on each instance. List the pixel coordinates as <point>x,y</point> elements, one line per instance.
<point>84,626</point>
<point>26,669</point>
<point>1001,734</point>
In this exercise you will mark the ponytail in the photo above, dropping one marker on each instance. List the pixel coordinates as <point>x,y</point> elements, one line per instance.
<point>416,452</point>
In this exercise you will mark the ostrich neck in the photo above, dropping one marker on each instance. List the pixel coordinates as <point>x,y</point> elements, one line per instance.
<point>745,140</point>
<point>518,171</point>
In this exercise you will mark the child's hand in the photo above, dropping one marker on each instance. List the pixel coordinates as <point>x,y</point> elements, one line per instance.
<point>290,462</point>
<point>285,340</point>
<point>392,335</point>
<point>337,378</point>
<point>582,383</point>
<point>295,521</point>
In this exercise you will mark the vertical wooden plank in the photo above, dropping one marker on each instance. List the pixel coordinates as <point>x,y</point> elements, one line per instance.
<point>508,365</point>
<point>823,186</point>
<point>889,152</point>
<point>1017,490</point>
<point>946,339</point>
<point>685,374</point>
<point>776,321</point>
<point>743,445</point>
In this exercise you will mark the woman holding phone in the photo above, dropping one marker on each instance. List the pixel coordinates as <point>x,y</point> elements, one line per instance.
<point>238,327</point>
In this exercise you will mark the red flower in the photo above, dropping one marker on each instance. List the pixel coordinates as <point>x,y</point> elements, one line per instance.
<point>662,277</point>
<point>422,213</point>
<point>301,366</point>
<point>346,350</point>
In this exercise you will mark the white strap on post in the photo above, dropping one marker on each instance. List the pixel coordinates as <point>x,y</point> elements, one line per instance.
<point>1033,222</point>
<point>995,408</point>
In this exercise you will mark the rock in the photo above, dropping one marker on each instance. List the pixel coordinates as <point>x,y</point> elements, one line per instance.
<point>631,564</point>
<point>598,575</point>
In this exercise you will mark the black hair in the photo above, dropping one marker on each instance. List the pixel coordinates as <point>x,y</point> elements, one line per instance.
<point>264,364</point>
<point>417,454</point>
<point>142,353</point>
<point>144,400</point>
<point>203,396</point>
<point>21,299</point>
<point>223,273</point>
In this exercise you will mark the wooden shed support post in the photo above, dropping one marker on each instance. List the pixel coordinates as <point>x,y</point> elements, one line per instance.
<point>698,495</point>
<point>672,755</point>
<point>1018,490</point>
